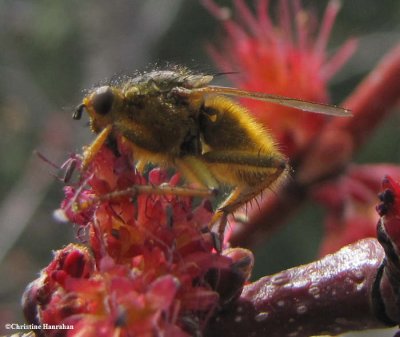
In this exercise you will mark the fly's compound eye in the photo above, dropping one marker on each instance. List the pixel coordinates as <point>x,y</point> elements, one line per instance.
<point>102,100</point>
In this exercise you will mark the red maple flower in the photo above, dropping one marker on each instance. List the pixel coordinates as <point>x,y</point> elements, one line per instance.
<point>350,201</point>
<point>389,210</point>
<point>285,58</point>
<point>153,268</point>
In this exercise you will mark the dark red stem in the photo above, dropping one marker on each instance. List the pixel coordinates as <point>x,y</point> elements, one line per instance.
<point>329,296</point>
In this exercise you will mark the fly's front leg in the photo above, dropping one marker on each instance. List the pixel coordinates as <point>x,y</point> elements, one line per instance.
<point>90,151</point>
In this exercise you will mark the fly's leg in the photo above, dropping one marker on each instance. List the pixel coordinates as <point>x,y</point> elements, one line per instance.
<point>91,150</point>
<point>195,170</point>
<point>135,190</point>
<point>250,172</point>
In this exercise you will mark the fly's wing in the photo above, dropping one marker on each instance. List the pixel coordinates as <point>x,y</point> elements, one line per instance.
<point>325,109</point>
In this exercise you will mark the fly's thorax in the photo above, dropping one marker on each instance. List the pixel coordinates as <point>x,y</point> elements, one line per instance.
<point>155,120</point>
<point>166,80</point>
<point>155,105</point>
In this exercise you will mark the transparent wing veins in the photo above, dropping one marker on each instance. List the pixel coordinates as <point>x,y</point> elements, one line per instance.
<point>320,108</point>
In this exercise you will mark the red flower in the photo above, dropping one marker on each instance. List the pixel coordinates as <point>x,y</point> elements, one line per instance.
<point>154,269</point>
<point>350,205</point>
<point>280,59</point>
<point>389,210</point>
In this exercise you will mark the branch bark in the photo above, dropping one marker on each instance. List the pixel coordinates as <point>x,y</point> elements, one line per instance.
<point>329,296</point>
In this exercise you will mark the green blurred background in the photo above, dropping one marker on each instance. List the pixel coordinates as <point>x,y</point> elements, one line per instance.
<point>52,50</point>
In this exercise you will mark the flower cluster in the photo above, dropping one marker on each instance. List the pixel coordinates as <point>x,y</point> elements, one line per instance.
<point>350,201</point>
<point>284,58</point>
<point>151,269</point>
<point>389,210</point>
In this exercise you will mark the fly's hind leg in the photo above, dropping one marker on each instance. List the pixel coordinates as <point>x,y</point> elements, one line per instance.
<point>250,172</point>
